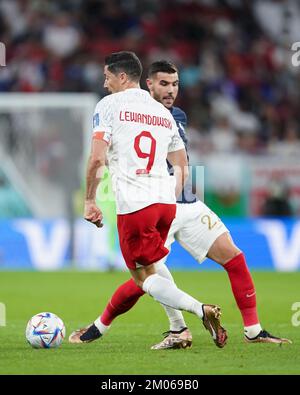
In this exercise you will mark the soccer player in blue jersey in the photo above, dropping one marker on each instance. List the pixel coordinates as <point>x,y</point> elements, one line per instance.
<point>201,233</point>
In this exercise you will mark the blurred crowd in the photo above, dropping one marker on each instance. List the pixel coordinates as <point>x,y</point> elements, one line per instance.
<point>237,82</point>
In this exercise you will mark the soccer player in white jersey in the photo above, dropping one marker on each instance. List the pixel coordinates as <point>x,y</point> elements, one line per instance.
<point>138,135</point>
<point>201,233</point>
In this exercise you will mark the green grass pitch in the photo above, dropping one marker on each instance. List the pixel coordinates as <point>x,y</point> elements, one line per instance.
<point>78,298</point>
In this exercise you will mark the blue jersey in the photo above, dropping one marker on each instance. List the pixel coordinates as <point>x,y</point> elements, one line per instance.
<point>187,195</point>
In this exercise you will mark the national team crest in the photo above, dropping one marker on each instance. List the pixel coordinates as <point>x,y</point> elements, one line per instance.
<point>96,120</point>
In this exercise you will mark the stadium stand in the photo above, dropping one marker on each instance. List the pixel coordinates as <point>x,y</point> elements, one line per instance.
<point>238,85</point>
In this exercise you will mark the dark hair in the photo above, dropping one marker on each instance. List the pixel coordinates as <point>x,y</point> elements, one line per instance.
<point>163,66</point>
<point>126,62</point>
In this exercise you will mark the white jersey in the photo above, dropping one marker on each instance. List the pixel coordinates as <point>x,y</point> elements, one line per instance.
<point>140,132</point>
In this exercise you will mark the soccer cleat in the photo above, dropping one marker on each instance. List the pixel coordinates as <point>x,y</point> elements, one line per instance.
<point>85,335</point>
<point>266,337</point>
<point>211,322</point>
<point>174,339</point>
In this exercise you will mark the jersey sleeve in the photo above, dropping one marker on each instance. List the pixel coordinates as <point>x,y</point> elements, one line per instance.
<point>103,121</point>
<point>176,143</point>
<point>184,119</point>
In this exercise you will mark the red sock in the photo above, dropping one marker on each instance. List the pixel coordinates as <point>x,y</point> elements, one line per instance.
<point>122,300</point>
<point>243,288</point>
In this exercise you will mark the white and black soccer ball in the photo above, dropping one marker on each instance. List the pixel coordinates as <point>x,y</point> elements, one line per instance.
<point>45,330</point>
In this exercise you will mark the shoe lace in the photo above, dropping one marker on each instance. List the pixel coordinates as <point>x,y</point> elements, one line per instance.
<point>167,333</point>
<point>265,334</point>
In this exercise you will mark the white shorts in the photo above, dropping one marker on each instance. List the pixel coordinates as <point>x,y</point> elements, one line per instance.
<point>196,228</point>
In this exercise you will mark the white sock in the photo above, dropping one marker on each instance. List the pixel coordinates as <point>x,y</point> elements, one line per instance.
<point>166,292</point>
<point>102,328</point>
<point>252,330</point>
<point>175,317</point>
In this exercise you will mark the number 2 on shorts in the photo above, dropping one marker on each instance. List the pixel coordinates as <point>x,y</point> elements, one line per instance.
<point>206,220</point>
<point>144,155</point>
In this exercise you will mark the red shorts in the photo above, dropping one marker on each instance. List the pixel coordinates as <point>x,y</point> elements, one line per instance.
<point>143,234</point>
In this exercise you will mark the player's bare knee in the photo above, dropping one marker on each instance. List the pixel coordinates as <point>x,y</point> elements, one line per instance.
<point>232,254</point>
<point>223,249</point>
<point>227,254</point>
<point>139,282</point>
<point>139,275</point>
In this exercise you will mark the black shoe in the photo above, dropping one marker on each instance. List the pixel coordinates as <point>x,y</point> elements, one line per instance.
<point>85,335</point>
<point>266,337</point>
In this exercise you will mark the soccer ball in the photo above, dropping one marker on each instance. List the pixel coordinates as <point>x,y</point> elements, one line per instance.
<point>45,330</point>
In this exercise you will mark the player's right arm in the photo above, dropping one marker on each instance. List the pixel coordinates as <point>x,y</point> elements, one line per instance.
<point>178,159</point>
<point>179,162</point>
<point>95,169</point>
<point>102,128</point>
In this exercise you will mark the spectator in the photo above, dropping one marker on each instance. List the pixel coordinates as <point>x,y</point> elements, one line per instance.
<point>61,37</point>
<point>277,203</point>
<point>234,58</point>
